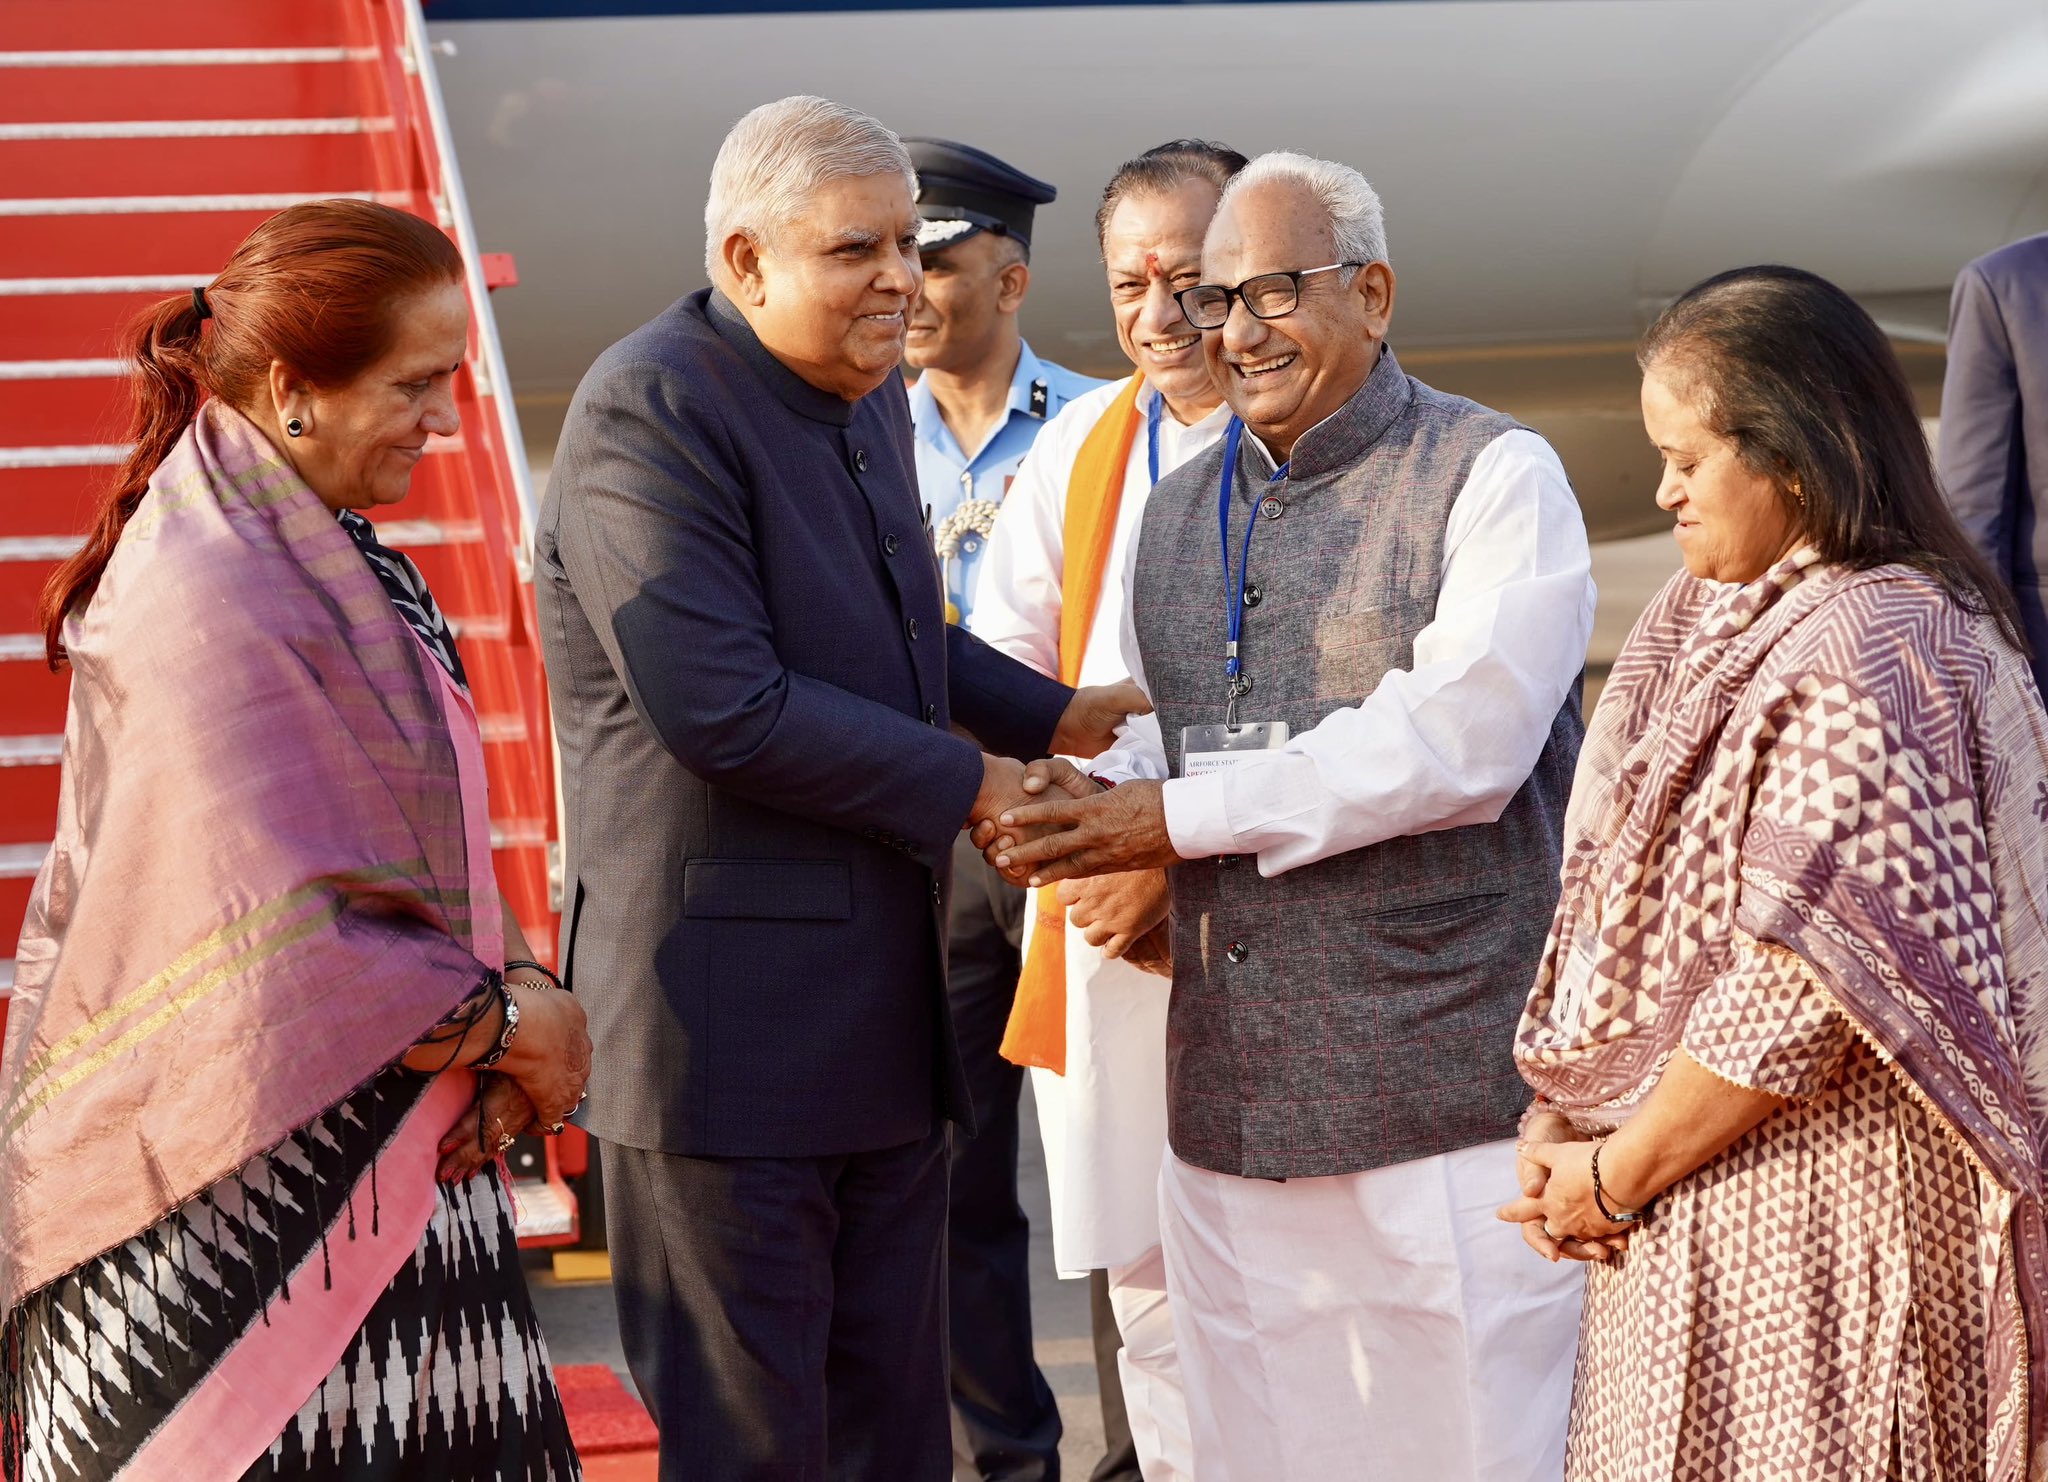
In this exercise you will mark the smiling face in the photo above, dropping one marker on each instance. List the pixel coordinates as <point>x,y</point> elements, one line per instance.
<point>1152,246</point>
<point>972,291</point>
<point>363,439</point>
<point>1282,376</point>
<point>1734,524</point>
<point>830,294</point>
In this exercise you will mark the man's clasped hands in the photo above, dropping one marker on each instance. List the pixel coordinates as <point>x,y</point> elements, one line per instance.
<point>1105,848</point>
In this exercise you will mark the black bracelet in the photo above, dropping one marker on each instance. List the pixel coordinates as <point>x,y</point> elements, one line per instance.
<point>1624,1217</point>
<point>506,1030</point>
<point>546,972</point>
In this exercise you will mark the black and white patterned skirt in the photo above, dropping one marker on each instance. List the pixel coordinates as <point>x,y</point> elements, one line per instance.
<point>447,1378</point>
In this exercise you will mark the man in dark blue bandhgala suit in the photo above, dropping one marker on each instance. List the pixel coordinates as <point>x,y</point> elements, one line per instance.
<point>1993,446</point>
<point>754,688</point>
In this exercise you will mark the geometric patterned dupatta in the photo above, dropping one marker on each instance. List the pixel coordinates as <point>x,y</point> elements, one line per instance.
<point>1876,760</point>
<point>258,896</point>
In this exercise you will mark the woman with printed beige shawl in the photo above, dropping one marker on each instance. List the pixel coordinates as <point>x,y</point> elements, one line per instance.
<point>251,1224</point>
<point>1788,1041</point>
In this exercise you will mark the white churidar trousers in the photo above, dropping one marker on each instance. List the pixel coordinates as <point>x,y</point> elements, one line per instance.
<point>1376,1325</point>
<point>1150,1369</point>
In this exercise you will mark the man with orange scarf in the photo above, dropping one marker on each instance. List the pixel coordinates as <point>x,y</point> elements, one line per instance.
<point>1088,1021</point>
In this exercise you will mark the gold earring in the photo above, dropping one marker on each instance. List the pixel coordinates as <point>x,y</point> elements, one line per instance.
<point>1798,494</point>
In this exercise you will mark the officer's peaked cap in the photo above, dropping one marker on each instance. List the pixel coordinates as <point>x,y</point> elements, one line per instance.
<point>962,190</point>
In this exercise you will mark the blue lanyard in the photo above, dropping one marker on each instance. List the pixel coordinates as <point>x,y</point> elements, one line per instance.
<point>1231,439</point>
<point>1152,435</point>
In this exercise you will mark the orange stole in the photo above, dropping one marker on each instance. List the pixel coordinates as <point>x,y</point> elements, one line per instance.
<point>1037,1031</point>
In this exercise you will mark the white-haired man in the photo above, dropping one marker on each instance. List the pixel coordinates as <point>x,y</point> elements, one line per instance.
<point>753,682</point>
<point>1089,1021</point>
<point>1369,741</point>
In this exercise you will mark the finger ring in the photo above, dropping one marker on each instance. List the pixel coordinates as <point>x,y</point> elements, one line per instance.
<point>1550,1232</point>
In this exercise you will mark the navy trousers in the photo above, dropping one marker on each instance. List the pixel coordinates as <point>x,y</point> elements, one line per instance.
<point>784,1318</point>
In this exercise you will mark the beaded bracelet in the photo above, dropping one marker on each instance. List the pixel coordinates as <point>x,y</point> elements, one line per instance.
<point>545,971</point>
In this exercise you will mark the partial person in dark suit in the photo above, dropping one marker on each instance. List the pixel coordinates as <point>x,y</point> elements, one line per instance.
<point>754,688</point>
<point>1992,453</point>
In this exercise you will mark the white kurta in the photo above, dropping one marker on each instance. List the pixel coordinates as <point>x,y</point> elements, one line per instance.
<point>1384,1323</point>
<point>1446,742</point>
<point>1104,1121</point>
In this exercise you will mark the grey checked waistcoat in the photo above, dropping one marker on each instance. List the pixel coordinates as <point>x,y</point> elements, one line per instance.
<point>1361,1010</point>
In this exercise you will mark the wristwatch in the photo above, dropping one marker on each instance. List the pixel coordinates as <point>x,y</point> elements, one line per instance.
<point>511,1027</point>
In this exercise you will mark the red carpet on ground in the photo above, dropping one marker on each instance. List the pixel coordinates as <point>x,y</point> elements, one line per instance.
<point>603,1417</point>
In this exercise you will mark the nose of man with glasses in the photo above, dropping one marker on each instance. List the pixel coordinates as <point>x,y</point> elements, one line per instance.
<point>1267,296</point>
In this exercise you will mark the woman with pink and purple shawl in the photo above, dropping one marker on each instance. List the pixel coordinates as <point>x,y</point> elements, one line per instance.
<point>272,1023</point>
<point>1788,1043</point>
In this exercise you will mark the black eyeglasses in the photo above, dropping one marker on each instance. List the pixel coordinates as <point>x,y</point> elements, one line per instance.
<point>1268,296</point>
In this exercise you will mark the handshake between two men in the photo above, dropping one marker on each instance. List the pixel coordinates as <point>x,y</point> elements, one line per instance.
<point>1104,849</point>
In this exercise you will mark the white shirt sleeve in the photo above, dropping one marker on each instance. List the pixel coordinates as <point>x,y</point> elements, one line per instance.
<point>1023,569</point>
<point>1139,752</point>
<point>1449,741</point>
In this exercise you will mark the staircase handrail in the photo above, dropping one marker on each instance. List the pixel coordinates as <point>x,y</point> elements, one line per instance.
<point>455,202</point>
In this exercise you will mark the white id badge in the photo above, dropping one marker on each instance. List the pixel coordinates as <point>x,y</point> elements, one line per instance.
<point>1216,748</point>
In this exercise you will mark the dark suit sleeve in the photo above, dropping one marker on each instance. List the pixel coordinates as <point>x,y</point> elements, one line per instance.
<point>1010,707</point>
<point>1980,421</point>
<point>655,540</point>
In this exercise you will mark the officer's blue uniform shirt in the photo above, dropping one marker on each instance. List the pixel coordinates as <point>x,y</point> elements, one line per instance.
<point>947,477</point>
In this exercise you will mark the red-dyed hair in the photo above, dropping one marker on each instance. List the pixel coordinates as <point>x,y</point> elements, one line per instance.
<point>317,286</point>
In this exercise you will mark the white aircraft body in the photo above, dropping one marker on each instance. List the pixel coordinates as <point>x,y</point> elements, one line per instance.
<point>1553,170</point>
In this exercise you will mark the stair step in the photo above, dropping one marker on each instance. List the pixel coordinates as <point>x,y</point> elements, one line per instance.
<point>21,588</point>
<point>191,128</point>
<point>31,697</point>
<point>141,245</point>
<point>66,412</point>
<point>76,319</point>
<point>310,89</point>
<point>28,797</point>
<point>41,501</point>
<point>41,25</point>
<point>84,326</point>
<point>20,549</point>
<point>30,751</point>
<point>71,455</point>
<point>113,172</point>
<point>14,896</point>
<point>55,498</point>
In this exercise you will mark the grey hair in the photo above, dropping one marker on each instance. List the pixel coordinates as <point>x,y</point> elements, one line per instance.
<point>1353,206</point>
<point>778,154</point>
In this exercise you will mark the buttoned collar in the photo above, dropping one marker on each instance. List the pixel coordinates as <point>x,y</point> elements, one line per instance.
<point>1339,439</point>
<point>794,392</point>
<point>931,428</point>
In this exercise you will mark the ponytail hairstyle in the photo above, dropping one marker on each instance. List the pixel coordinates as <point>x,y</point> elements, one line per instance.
<point>319,287</point>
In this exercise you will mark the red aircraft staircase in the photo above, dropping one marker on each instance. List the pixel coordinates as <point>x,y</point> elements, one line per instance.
<point>139,142</point>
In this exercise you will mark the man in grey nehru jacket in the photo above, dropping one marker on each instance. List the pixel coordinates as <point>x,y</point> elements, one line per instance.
<point>1362,617</point>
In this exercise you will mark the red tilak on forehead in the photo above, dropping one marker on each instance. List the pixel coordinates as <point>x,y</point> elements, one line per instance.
<point>1152,268</point>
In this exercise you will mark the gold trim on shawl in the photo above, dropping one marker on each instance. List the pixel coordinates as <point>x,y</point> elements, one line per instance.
<point>134,1002</point>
